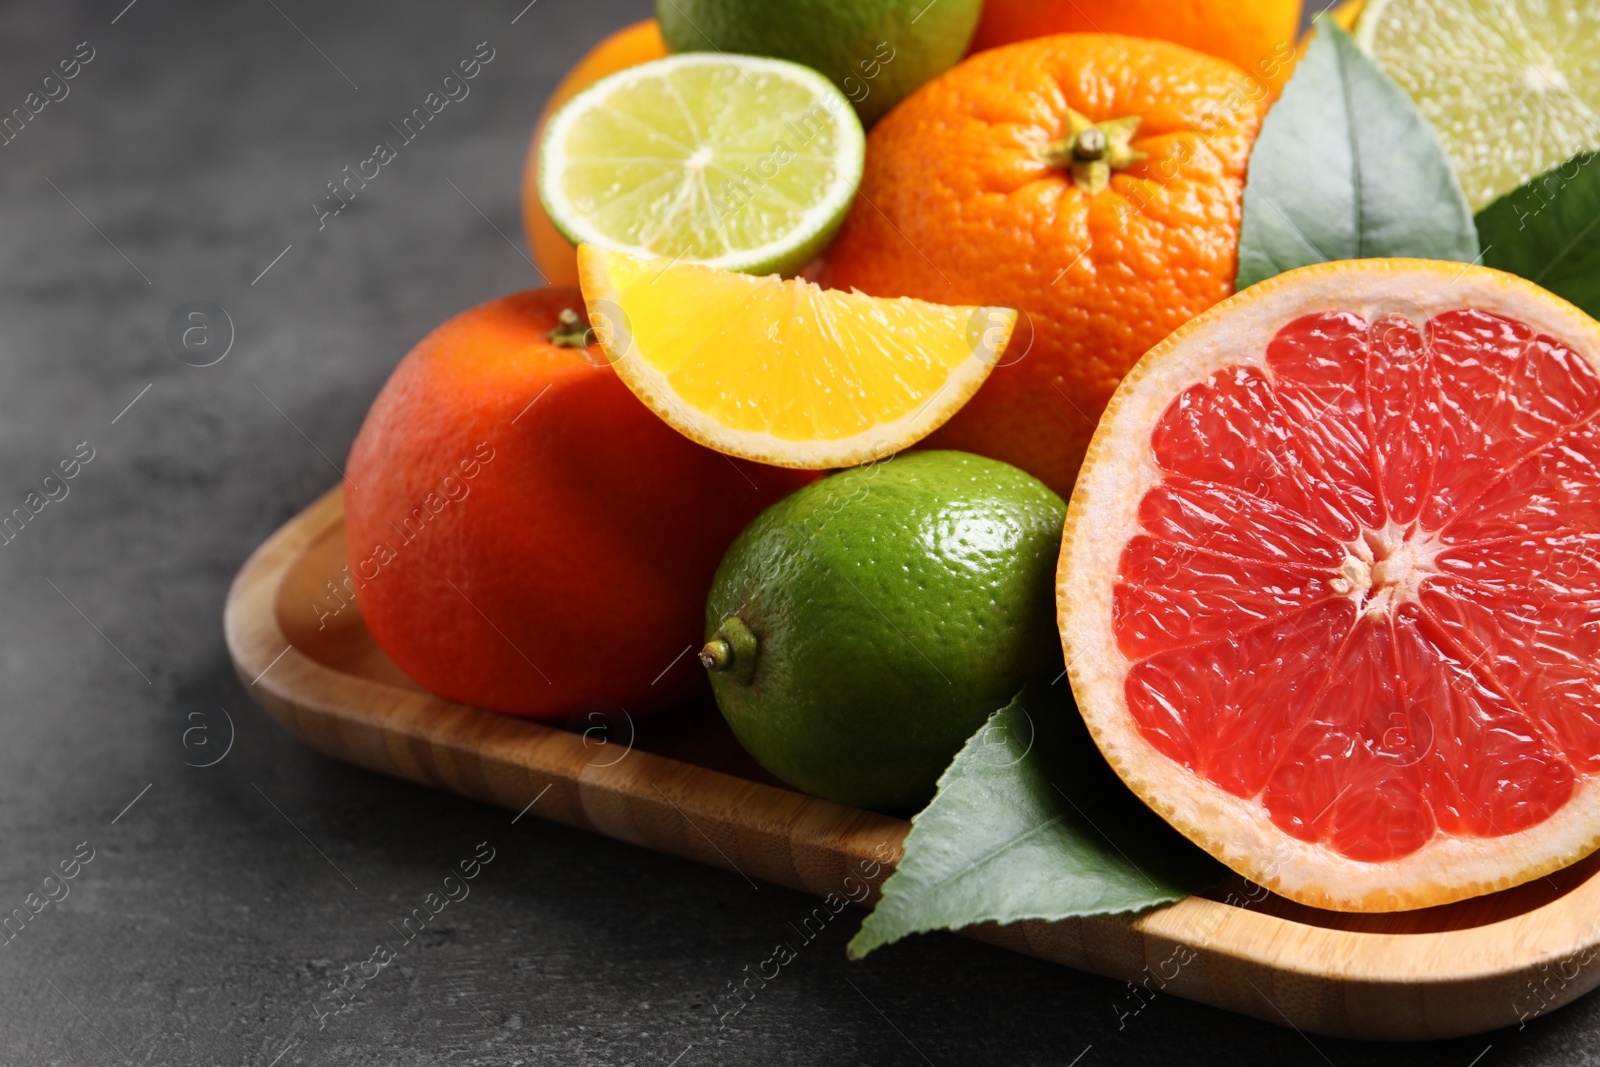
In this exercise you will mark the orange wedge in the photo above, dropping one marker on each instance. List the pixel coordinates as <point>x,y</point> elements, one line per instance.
<point>785,372</point>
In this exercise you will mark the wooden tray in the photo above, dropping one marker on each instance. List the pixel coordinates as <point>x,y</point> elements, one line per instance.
<point>686,788</point>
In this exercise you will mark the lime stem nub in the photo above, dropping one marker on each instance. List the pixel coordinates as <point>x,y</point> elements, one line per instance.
<point>732,651</point>
<point>571,330</point>
<point>717,655</point>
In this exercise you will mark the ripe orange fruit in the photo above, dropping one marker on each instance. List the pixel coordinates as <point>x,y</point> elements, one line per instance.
<point>628,47</point>
<point>972,196</point>
<point>1257,35</point>
<point>525,535</point>
<point>1329,589</point>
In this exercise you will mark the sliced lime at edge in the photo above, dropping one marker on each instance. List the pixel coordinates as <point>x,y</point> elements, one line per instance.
<point>1512,87</point>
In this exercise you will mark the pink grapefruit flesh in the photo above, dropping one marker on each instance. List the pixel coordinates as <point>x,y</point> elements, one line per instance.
<point>1330,586</point>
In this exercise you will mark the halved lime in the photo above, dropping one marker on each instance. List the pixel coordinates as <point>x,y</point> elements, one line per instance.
<point>1513,86</point>
<point>737,162</point>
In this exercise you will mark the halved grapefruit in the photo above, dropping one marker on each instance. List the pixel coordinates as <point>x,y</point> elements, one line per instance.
<point>1329,588</point>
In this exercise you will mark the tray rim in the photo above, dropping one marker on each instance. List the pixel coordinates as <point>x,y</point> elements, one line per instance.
<point>1499,953</point>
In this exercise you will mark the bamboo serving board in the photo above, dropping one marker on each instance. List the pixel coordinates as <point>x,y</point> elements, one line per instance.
<point>683,786</point>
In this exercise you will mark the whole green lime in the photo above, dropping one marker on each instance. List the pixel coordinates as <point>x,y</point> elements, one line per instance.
<point>876,51</point>
<point>863,627</point>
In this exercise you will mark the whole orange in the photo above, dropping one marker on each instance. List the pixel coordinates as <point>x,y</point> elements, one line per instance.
<point>526,535</point>
<point>971,196</point>
<point>1258,35</point>
<point>628,47</point>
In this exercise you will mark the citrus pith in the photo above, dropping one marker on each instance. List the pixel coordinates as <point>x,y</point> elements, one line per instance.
<point>1330,584</point>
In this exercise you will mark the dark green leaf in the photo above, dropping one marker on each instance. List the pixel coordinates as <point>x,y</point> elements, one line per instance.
<point>1030,823</point>
<point>1548,231</point>
<point>1346,167</point>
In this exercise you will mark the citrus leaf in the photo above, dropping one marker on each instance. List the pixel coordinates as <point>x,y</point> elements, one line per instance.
<point>1548,231</point>
<point>1030,823</point>
<point>1346,167</point>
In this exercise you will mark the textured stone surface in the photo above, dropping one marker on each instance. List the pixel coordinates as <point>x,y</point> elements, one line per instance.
<point>206,926</point>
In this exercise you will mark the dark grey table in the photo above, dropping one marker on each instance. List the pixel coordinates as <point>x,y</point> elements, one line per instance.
<point>182,164</point>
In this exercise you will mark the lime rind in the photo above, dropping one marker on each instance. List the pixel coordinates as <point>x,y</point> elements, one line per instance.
<point>737,162</point>
<point>1513,88</point>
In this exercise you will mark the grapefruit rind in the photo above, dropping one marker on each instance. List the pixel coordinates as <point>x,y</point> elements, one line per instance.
<point>882,439</point>
<point>1102,516</point>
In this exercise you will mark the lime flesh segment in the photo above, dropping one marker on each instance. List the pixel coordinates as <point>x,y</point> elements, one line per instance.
<point>735,162</point>
<point>1513,86</point>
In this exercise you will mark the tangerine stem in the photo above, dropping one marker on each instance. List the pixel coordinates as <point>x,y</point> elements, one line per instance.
<point>1093,151</point>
